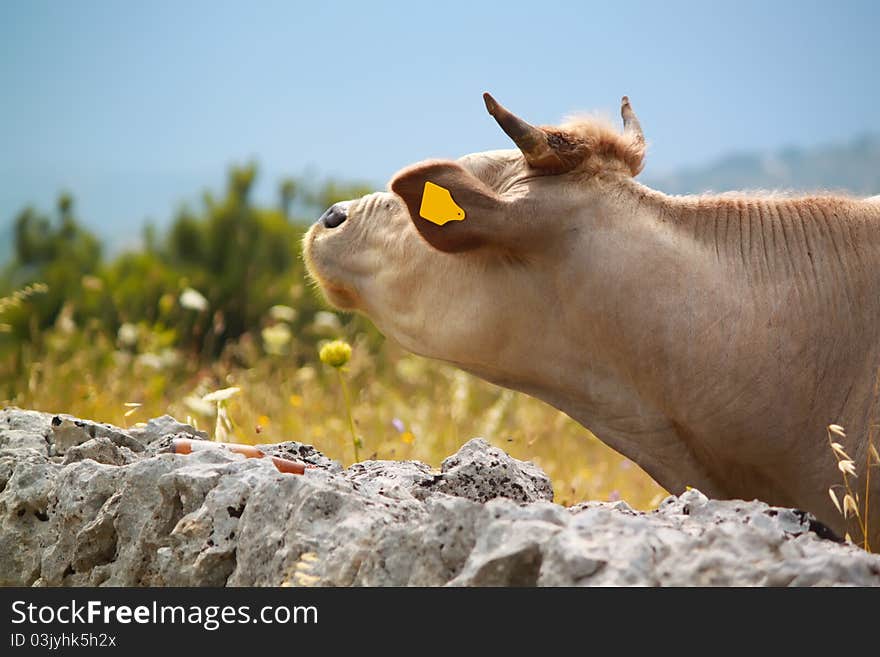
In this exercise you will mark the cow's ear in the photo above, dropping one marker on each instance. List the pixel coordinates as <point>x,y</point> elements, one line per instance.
<point>451,208</point>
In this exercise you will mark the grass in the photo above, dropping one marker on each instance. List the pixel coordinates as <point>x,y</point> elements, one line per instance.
<point>402,406</point>
<point>372,401</point>
<point>853,505</point>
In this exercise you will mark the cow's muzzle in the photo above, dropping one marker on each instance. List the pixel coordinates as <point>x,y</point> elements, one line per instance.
<point>334,216</point>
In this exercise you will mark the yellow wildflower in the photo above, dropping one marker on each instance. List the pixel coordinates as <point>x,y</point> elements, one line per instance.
<point>336,353</point>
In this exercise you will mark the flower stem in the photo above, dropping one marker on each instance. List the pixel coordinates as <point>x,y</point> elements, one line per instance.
<point>354,439</point>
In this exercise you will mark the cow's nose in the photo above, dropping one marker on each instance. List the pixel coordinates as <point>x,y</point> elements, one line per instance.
<point>334,215</point>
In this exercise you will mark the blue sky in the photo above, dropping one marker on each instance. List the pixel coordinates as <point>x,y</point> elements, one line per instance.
<point>136,106</point>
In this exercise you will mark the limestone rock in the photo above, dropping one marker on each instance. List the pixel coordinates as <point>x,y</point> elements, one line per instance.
<point>101,505</point>
<point>481,473</point>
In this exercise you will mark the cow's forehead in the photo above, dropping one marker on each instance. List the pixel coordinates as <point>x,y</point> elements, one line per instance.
<point>495,165</point>
<point>497,158</point>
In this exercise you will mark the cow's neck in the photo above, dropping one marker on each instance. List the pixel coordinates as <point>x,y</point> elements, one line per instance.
<point>819,242</point>
<point>670,340</point>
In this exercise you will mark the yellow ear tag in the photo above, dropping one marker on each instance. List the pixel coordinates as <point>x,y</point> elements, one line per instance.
<point>438,206</point>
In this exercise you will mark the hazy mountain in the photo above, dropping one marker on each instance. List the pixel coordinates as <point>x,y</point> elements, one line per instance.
<point>853,167</point>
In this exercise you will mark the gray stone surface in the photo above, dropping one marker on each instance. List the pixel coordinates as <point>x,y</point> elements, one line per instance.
<point>481,473</point>
<point>106,506</point>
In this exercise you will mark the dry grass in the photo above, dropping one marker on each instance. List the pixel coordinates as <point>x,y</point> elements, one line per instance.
<point>853,507</point>
<point>374,401</point>
<point>404,407</point>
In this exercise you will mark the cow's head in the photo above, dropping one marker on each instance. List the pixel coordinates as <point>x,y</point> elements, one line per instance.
<point>468,260</point>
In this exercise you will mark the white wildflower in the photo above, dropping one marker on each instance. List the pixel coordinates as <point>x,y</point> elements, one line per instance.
<point>192,299</point>
<point>127,335</point>
<point>276,338</point>
<point>282,313</point>
<point>221,395</point>
<point>326,323</point>
<point>198,405</point>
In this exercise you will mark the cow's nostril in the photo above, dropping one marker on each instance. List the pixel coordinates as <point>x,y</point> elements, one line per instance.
<point>334,216</point>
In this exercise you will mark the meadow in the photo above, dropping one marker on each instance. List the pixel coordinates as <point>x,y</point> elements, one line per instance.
<point>404,406</point>
<point>156,330</point>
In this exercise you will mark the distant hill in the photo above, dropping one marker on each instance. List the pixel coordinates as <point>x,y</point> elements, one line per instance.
<point>853,167</point>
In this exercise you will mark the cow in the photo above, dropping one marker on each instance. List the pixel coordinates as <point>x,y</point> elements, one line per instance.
<point>712,339</point>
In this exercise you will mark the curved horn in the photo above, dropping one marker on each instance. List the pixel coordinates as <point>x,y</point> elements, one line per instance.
<point>631,123</point>
<point>530,140</point>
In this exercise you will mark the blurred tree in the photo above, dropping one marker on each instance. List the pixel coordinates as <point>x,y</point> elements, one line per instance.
<point>286,193</point>
<point>242,259</point>
<point>57,253</point>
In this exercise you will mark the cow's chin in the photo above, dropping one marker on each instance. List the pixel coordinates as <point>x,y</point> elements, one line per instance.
<point>338,296</point>
<point>324,273</point>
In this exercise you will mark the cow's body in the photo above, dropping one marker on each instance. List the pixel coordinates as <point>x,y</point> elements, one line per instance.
<point>710,339</point>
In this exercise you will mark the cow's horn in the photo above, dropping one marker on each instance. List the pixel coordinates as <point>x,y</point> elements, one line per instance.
<point>631,123</point>
<point>530,140</point>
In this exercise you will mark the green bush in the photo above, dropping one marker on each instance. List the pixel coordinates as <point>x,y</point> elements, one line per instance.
<point>233,259</point>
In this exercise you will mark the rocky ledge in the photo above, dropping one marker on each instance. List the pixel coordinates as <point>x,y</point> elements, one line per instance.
<point>83,503</point>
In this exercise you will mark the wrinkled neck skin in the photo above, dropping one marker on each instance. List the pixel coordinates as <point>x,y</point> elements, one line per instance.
<point>654,330</point>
